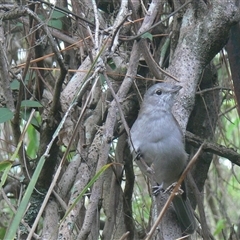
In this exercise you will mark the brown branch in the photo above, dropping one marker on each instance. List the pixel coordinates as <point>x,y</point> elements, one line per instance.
<point>124,236</point>
<point>213,89</point>
<point>215,148</point>
<point>128,192</point>
<point>107,137</point>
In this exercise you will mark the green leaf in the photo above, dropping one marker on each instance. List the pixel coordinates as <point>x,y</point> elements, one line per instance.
<point>41,17</point>
<point>2,232</point>
<point>15,84</point>
<point>32,146</point>
<point>57,14</point>
<point>30,103</point>
<point>26,114</point>
<point>5,115</point>
<point>111,64</point>
<point>147,35</point>
<point>55,20</point>
<point>55,23</point>
<point>7,168</point>
<point>5,164</point>
<point>221,224</point>
<point>19,24</point>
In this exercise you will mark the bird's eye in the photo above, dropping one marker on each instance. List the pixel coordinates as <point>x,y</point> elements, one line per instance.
<point>158,92</point>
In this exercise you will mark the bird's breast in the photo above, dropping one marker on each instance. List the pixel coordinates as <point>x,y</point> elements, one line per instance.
<point>159,141</point>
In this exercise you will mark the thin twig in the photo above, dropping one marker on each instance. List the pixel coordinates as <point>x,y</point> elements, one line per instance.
<point>5,81</point>
<point>115,34</point>
<point>213,89</point>
<point>156,24</point>
<point>124,236</point>
<point>118,103</point>
<point>227,111</point>
<point>95,10</point>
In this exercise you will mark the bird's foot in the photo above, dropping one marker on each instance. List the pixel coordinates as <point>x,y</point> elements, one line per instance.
<point>138,155</point>
<point>171,187</point>
<point>157,189</point>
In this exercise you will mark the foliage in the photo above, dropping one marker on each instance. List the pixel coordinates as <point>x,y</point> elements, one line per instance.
<point>72,76</point>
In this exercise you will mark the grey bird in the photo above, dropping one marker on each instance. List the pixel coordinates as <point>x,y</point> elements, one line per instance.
<point>157,144</point>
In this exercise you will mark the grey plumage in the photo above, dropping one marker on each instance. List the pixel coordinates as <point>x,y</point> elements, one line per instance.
<point>158,139</point>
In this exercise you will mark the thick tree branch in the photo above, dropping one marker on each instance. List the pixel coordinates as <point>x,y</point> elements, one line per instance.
<point>202,36</point>
<point>5,81</point>
<point>220,150</point>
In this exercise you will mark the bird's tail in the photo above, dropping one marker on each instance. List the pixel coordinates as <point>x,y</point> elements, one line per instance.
<point>184,214</point>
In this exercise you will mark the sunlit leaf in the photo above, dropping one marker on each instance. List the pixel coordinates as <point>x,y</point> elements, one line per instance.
<point>2,232</point>
<point>26,114</point>
<point>32,146</point>
<point>221,224</point>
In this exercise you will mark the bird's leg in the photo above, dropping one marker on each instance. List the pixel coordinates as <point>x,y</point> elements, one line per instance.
<point>171,187</point>
<point>150,170</point>
<point>139,157</point>
<point>157,189</point>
